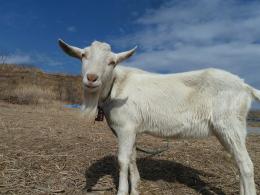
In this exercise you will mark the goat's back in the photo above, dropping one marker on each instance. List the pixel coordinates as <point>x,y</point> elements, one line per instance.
<point>183,104</point>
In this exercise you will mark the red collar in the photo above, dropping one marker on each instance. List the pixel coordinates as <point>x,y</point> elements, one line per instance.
<point>100,115</point>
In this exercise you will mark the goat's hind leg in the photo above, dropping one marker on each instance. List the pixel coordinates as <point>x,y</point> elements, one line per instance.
<point>232,136</point>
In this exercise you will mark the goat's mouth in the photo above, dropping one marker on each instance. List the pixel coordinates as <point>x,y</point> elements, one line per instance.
<point>91,86</point>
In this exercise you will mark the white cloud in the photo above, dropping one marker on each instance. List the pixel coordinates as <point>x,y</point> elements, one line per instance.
<point>18,59</point>
<point>193,34</point>
<point>37,59</point>
<point>45,60</point>
<point>71,29</point>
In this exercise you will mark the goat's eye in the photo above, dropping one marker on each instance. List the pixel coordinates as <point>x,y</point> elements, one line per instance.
<point>112,63</point>
<point>83,55</point>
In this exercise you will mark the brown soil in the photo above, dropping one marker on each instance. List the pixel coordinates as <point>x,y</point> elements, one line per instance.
<point>55,151</point>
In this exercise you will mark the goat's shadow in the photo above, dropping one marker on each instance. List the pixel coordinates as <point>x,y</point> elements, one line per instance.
<point>153,170</point>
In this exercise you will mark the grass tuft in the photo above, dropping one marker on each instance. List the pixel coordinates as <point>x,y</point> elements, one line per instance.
<point>29,94</point>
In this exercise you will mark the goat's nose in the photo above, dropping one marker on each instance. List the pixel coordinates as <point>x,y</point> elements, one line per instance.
<point>92,77</point>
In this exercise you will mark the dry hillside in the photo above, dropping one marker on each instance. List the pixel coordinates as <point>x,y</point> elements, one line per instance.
<point>66,87</point>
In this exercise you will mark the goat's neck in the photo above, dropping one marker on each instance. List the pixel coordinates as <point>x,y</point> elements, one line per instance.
<point>107,88</point>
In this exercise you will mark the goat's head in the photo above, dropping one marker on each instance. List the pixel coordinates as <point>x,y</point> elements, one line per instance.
<point>98,63</point>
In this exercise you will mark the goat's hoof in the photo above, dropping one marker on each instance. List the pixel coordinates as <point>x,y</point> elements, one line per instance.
<point>122,193</point>
<point>134,192</point>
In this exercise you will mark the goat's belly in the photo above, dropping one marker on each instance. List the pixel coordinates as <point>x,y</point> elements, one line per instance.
<point>181,131</point>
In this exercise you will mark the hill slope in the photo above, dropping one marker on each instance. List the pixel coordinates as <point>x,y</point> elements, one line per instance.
<point>66,87</point>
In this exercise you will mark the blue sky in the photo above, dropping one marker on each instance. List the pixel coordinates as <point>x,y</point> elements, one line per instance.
<point>173,36</point>
<point>30,29</point>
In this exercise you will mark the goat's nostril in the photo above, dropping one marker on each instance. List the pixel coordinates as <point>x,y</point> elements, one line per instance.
<point>92,77</point>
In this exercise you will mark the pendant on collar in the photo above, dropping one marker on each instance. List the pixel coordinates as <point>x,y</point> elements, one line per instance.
<point>100,115</point>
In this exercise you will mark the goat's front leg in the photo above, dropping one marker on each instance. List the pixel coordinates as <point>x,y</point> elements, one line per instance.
<point>134,173</point>
<point>126,143</point>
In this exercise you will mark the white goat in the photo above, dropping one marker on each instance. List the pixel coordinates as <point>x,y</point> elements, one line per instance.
<point>191,104</point>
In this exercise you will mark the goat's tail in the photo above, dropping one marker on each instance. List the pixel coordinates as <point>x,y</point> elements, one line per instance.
<point>254,92</point>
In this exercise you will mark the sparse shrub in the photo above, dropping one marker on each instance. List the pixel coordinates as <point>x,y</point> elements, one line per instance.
<point>29,94</point>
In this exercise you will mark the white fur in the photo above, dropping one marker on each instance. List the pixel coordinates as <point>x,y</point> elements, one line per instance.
<point>185,105</point>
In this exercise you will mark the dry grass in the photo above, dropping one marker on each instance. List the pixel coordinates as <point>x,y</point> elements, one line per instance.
<point>18,68</point>
<point>29,94</point>
<point>67,88</point>
<point>54,150</point>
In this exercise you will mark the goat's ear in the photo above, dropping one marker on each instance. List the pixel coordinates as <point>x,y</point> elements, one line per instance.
<point>70,50</point>
<point>125,55</point>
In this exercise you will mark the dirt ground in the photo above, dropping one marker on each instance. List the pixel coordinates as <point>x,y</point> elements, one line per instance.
<point>55,151</point>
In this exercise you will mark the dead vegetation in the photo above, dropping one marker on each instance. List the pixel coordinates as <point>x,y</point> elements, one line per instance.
<point>53,150</point>
<point>66,88</point>
<point>18,68</point>
<point>29,94</point>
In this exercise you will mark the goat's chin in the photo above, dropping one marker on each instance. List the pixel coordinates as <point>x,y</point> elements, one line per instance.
<point>90,104</point>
